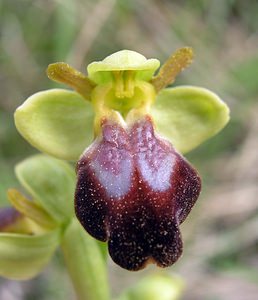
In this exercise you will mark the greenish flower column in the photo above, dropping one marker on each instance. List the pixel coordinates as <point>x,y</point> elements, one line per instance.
<point>61,122</point>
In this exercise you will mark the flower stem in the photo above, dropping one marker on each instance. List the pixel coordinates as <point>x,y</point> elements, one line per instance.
<point>85,264</point>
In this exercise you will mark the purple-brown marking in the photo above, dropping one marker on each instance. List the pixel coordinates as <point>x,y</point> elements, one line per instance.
<point>8,217</point>
<point>133,191</point>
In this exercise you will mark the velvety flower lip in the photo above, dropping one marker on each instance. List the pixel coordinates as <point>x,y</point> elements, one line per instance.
<point>139,216</point>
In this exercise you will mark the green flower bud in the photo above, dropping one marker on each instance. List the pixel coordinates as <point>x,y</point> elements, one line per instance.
<point>156,286</point>
<point>25,247</point>
<point>31,230</point>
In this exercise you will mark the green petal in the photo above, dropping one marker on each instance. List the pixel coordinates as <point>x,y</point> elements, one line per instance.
<point>188,115</point>
<point>24,256</point>
<point>58,122</point>
<point>51,182</point>
<point>62,72</point>
<point>122,60</point>
<point>177,62</point>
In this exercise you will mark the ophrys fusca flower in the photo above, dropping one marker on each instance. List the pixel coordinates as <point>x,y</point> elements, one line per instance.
<point>134,186</point>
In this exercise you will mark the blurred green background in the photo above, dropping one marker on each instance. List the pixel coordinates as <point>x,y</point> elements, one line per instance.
<point>221,235</point>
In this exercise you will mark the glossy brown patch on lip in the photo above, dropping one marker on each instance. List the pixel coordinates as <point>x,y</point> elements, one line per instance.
<point>187,187</point>
<point>140,219</point>
<point>105,178</point>
<point>163,169</point>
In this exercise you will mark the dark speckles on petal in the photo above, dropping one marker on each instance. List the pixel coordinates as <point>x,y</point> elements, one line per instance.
<point>187,185</point>
<point>134,190</point>
<point>127,250</point>
<point>142,238</point>
<point>90,206</point>
<point>167,243</point>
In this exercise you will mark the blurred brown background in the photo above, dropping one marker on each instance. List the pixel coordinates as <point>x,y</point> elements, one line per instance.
<point>220,261</point>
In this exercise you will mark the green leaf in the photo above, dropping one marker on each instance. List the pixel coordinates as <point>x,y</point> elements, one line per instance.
<point>58,122</point>
<point>85,263</point>
<point>51,182</point>
<point>188,115</point>
<point>124,60</point>
<point>24,256</point>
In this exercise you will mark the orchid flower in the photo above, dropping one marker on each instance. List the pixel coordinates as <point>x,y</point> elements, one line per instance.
<point>128,133</point>
<point>30,229</point>
<point>40,220</point>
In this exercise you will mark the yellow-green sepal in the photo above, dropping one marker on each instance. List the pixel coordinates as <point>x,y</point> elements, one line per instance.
<point>51,183</point>
<point>188,115</point>
<point>125,60</point>
<point>58,122</point>
<point>23,256</point>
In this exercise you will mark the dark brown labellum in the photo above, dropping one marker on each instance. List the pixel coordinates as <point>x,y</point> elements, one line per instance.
<point>133,191</point>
